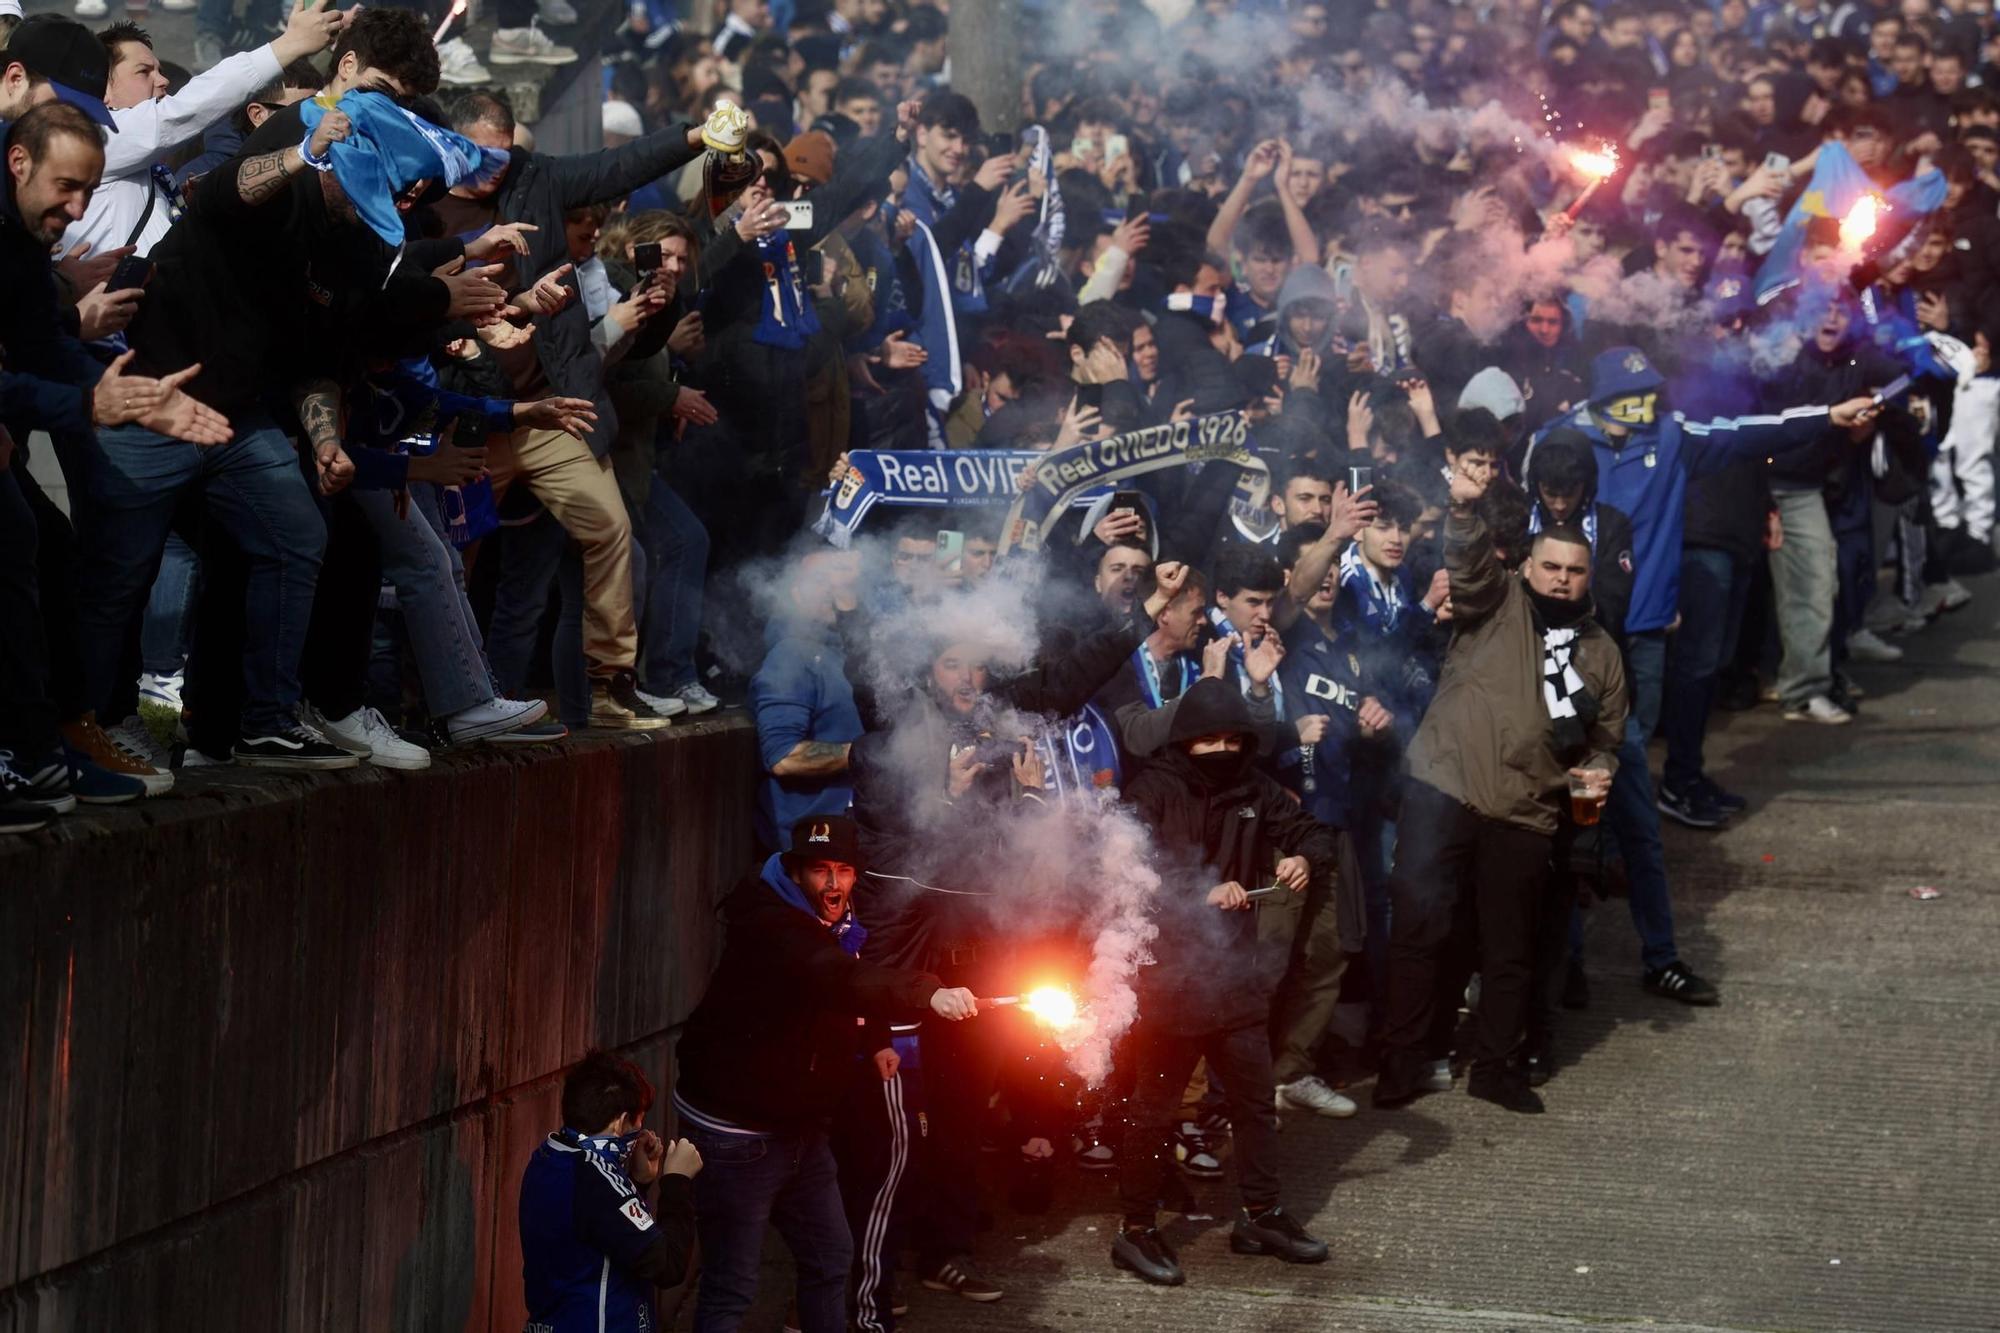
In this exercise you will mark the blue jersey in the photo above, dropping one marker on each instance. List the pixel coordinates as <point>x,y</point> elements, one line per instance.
<point>1645,473</point>
<point>591,1250</point>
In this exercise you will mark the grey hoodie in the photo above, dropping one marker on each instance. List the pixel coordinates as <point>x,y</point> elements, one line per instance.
<point>1307,282</point>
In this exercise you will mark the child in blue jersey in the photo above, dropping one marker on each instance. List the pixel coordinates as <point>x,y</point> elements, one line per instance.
<point>592,1248</point>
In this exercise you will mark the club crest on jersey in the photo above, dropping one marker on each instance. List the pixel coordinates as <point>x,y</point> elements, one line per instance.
<point>635,1213</point>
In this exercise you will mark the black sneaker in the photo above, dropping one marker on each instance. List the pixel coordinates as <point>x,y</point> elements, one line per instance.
<point>1144,1251</point>
<point>45,783</point>
<point>1404,1077</point>
<point>1538,1062</point>
<point>960,1278</point>
<point>1675,982</point>
<point>18,814</point>
<point>1726,801</point>
<point>1576,987</point>
<point>1276,1232</point>
<point>1213,1124</point>
<point>1506,1088</point>
<point>1193,1152</point>
<point>292,747</point>
<point>1690,808</point>
<point>615,704</point>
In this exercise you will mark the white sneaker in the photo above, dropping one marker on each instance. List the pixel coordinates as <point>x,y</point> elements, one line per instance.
<point>1436,1076</point>
<point>1311,1094</point>
<point>179,6</point>
<point>164,691</point>
<point>92,9</point>
<point>322,729</point>
<point>556,12</point>
<point>458,65</point>
<point>1818,709</point>
<point>1865,646</point>
<point>1953,595</point>
<point>527,46</point>
<point>697,699</point>
<point>666,705</point>
<point>493,718</point>
<point>135,739</point>
<point>377,740</point>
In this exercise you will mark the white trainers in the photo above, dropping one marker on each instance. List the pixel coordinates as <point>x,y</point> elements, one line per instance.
<point>1819,709</point>
<point>697,699</point>
<point>162,691</point>
<point>316,723</point>
<point>1953,595</point>
<point>1866,646</point>
<point>92,9</point>
<point>527,46</point>
<point>666,705</point>
<point>367,733</point>
<point>179,6</point>
<point>1311,1094</point>
<point>133,738</point>
<point>1436,1076</point>
<point>458,65</point>
<point>495,717</point>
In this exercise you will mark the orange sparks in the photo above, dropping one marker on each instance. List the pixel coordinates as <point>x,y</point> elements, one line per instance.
<point>1597,166</point>
<point>1051,1005</point>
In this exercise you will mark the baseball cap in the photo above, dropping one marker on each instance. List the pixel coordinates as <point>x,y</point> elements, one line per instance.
<point>70,57</point>
<point>1619,372</point>
<point>1493,389</point>
<point>827,838</point>
<point>810,157</point>
<point>10,9</point>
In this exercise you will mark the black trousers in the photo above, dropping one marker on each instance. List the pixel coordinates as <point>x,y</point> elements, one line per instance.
<point>27,715</point>
<point>1241,1059</point>
<point>1448,855</point>
<point>876,1140</point>
<point>961,1069</point>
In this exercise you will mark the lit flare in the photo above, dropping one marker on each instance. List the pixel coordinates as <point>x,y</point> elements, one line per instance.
<point>1860,222</point>
<point>456,11</point>
<point>1051,1005</point>
<point>1599,167</point>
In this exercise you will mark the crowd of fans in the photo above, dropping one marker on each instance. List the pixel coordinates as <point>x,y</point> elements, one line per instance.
<point>1564,365</point>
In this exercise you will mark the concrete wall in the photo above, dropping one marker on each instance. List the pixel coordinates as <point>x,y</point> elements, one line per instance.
<point>276,1049</point>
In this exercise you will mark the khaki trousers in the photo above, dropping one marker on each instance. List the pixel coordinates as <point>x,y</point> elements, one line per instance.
<point>582,492</point>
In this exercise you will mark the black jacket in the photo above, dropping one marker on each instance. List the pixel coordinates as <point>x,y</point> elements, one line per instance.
<point>1208,973</point>
<point>1825,377</point>
<point>772,1043</point>
<point>38,338</point>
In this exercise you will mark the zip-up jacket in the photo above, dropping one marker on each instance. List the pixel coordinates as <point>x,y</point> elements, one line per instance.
<point>591,1250</point>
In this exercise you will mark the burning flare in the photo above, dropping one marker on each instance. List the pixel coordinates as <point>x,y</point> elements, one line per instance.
<point>1052,1005</point>
<point>456,11</point>
<point>1596,165</point>
<point>1859,224</point>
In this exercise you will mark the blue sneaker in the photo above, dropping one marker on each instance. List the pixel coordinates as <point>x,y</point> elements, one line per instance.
<point>94,785</point>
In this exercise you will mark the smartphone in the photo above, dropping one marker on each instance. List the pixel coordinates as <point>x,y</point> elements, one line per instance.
<point>1116,147</point>
<point>1359,479</point>
<point>1090,395</point>
<point>999,144</point>
<point>1135,503</point>
<point>798,214</point>
<point>1777,162</point>
<point>1711,152</point>
<point>1895,388</point>
<point>132,271</point>
<point>646,256</point>
<point>1659,99</point>
<point>950,552</point>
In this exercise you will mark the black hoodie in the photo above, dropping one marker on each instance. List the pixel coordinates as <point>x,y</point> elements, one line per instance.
<point>1208,973</point>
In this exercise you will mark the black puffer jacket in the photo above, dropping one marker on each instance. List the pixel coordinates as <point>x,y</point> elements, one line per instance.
<point>1208,973</point>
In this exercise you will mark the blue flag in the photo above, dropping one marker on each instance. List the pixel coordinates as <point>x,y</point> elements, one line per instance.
<point>390,150</point>
<point>1837,184</point>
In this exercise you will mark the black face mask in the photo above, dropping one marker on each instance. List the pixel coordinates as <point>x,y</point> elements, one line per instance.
<point>1555,613</point>
<point>1222,767</point>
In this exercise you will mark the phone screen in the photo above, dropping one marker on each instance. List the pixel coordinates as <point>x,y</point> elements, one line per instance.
<point>646,255</point>
<point>950,551</point>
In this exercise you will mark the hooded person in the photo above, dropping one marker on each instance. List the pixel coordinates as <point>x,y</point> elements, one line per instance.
<point>1562,489</point>
<point>763,1060</point>
<point>1220,825</point>
<point>1307,304</point>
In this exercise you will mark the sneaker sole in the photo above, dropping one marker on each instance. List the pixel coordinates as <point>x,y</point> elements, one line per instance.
<point>1255,1248</point>
<point>498,727</point>
<point>1821,721</point>
<point>60,805</point>
<point>496,58</point>
<point>981,1298</point>
<point>1119,1261</point>
<point>398,762</point>
<point>517,738</point>
<point>600,722</point>
<point>1702,1002</point>
<point>24,825</point>
<point>126,799</point>
<point>301,765</point>
<point>703,708</point>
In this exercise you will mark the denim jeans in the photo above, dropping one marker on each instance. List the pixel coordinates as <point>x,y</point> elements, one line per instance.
<point>1714,585</point>
<point>1803,586</point>
<point>443,636</point>
<point>255,489</point>
<point>27,714</point>
<point>752,1181</point>
<point>1632,814</point>
<point>674,562</point>
<point>169,624</point>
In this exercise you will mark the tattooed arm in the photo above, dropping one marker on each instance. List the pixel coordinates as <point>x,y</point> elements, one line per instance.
<point>813,759</point>
<point>260,178</point>
<point>319,412</point>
